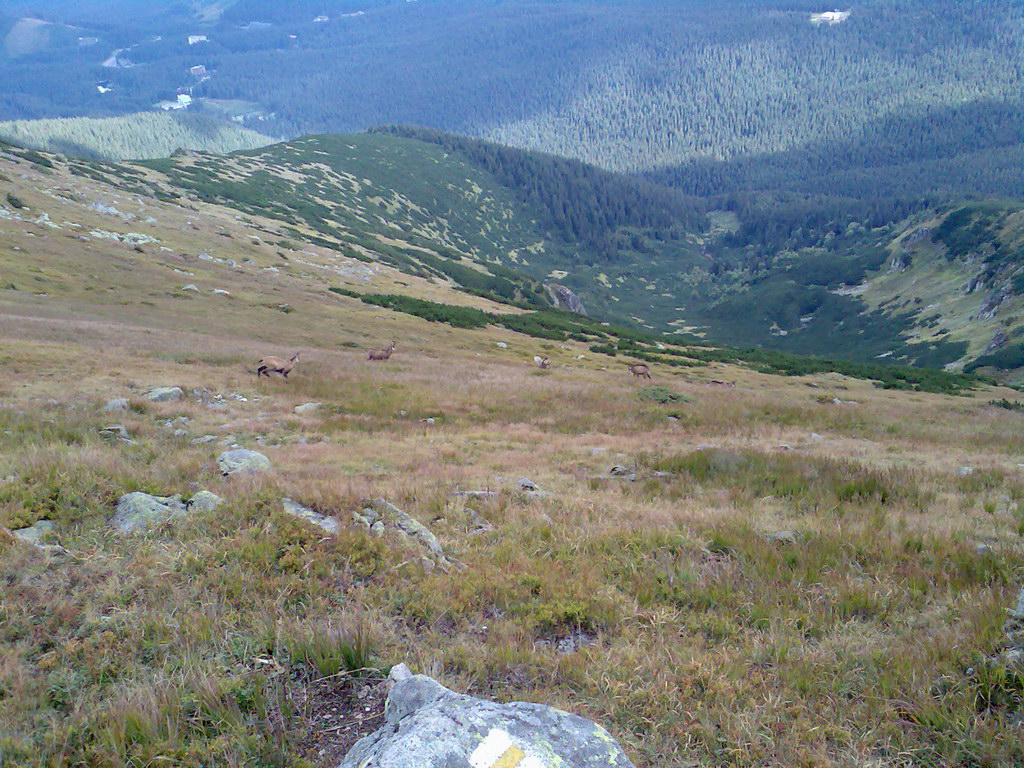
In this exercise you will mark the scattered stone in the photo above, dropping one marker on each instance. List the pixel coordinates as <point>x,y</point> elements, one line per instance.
<point>570,643</point>
<point>329,524</point>
<point>502,345</point>
<point>965,471</point>
<point>431,420</point>
<point>430,726</point>
<point>116,405</point>
<point>525,484</point>
<point>204,439</point>
<point>204,501</point>
<point>139,511</point>
<point>620,471</point>
<point>189,287</point>
<point>242,461</point>
<point>164,394</point>
<point>308,407</point>
<point>221,292</point>
<point>816,438</point>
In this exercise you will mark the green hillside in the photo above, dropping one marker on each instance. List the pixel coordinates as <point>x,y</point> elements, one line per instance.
<point>137,136</point>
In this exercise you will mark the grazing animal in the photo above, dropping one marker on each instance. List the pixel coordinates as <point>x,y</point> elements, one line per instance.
<point>542,362</point>
<point>277,365</point>
<point>639,370</point>
<point>381,354</point>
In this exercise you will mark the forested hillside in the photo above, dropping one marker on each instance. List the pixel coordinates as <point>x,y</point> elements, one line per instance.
<point>140,136</point>
<point>905,97</point>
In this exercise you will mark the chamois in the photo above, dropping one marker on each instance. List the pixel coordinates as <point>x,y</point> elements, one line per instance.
<point>277,365</point>
<point>639,370</point>
<point>381,354</point>
<point>542,362</point>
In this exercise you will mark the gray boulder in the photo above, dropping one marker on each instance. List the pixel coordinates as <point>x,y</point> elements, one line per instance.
<point>139,511</point>
<point>204,501</point>
<point>116,405</point>
<point>241,460</point>
<point>165,394</point>
<point>307,407</point>
<point>429,726</point>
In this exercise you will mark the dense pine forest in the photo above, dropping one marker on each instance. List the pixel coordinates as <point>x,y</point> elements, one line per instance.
<point>132,137</point>
<point>904,97</point>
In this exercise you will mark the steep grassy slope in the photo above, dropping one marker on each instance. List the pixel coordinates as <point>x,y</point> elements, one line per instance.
<point>632,252</point>
<point>138,136</point>
<point>658,605</point>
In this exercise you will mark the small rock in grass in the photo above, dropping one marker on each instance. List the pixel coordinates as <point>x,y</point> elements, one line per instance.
<point>525,484</point>
<point>204,501</point>
<point>965,471</point>
<point>39,533</point>
<point>784,538</point>
<point>164,394</point>
<point>114,432</point>
<point>116,405</point>
<point>308,407</point>
<point>242,461</point>
<point>139,511</point>
<point>328,524</point>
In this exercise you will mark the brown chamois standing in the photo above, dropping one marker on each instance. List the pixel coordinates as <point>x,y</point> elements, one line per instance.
<point>381,354</point>
<point>277,365</point>
<point>542,362</point>
<point>639,370</point>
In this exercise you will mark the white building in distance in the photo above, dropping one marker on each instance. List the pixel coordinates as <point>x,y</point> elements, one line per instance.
<point>830,17</point>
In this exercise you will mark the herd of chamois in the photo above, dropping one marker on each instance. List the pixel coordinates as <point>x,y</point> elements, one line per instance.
<point>271,364</point>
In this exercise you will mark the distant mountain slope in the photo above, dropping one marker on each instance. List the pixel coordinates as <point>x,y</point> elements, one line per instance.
<point>911,86</point>
<point>139,136</point>
<point>493,218</point>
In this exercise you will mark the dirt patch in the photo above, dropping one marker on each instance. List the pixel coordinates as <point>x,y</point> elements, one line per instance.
<point>340,713</point>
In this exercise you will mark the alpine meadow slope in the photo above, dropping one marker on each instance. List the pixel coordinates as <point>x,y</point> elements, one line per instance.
<point>938,286</point>
<point>721,566</point>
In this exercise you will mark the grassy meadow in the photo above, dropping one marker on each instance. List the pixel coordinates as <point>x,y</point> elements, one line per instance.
<point>661,602</point>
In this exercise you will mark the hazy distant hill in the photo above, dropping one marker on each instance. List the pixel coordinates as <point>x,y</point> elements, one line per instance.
<point>139,136</point>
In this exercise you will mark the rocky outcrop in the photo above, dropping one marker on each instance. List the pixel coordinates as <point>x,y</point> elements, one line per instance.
<point>328,524</point>
<point>242,461</point>
<point>382,516</point>
<point>563,298</point>
<point>999,340</point>
<point>430,726</point>
<point>993,301</point>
